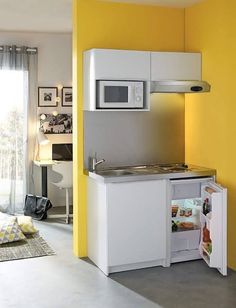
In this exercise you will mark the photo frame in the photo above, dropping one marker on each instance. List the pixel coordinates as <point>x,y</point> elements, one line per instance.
<point>47,96</point>
<point>67,97</point>
<point>59,124</point>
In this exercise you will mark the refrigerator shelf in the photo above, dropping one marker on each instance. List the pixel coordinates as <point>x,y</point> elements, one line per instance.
<point>187,230</point>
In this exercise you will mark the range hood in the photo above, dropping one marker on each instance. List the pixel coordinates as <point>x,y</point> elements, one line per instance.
<point>179,86</point>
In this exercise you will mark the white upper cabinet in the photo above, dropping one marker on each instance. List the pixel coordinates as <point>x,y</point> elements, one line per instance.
<point>131,65</point>
<point>111,64</point>
<point>175,66</point>
<point>118,64</point>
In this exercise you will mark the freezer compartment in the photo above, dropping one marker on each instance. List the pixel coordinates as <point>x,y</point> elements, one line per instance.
<point>186,189</point>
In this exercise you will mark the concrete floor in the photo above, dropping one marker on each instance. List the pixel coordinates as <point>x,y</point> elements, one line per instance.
<point>183,285</point>
<point>65,281</point>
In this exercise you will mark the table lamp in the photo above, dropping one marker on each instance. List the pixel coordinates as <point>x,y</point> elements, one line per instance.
<point>42,139</point>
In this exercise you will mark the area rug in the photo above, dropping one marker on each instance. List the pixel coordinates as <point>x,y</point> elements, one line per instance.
<point>33,246</point>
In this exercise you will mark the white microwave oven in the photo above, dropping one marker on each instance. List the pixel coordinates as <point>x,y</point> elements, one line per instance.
<point>120,94</point>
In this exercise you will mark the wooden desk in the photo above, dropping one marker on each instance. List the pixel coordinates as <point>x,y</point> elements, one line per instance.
<point>43,164</point>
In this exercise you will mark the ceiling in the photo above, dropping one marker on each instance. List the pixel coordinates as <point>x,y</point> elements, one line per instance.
<point>55,15</point>
<point>170,3</point>
<point>36,15</point>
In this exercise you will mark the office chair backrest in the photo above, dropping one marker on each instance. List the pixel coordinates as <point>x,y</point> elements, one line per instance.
<point>65,168</point>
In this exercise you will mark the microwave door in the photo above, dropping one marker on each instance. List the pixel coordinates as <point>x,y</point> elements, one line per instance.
<point>115,96</point>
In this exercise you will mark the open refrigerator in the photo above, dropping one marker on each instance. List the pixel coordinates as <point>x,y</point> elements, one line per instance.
<point>199,222</point>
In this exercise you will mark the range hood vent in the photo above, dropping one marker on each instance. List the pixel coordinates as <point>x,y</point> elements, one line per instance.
<point>180,86</point>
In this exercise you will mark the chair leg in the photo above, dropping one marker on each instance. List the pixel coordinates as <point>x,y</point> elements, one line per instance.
<point>67,207</point>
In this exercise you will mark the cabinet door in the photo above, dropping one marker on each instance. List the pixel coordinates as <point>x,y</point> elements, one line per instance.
<point>215,253</point>
<point>175,66</point>
<point>121,64</point>
<point>136,222</point>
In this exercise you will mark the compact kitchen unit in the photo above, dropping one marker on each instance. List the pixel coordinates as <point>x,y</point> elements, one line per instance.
<point>151,215</point>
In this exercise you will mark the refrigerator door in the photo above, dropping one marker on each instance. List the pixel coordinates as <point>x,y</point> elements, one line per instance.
<point>214,251</point>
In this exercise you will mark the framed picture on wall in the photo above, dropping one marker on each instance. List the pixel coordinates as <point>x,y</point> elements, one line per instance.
<point>67,97</point>
<point>59,124</point>
<point>47,96</point>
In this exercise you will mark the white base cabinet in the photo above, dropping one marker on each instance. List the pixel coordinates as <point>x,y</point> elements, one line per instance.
<point>127,224</point>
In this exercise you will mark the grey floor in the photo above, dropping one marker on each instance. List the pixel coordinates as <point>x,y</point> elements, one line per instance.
<point>65,281</point>
<point>59,210</point>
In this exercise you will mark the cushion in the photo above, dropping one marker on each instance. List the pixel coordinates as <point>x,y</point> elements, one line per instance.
<point>10,231</point>
<point>26,224</point>
<point>6,217</point>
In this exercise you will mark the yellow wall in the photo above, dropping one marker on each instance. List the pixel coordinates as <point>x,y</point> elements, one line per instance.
<point>100,24</point>
<point>211,118</point>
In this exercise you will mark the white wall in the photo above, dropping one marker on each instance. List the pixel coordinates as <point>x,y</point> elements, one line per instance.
<point>54,69</point>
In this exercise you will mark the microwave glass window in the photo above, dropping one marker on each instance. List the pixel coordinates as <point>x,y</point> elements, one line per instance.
<point>116,94</point>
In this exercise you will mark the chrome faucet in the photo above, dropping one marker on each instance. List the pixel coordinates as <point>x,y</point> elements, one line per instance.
<point>95,163</point>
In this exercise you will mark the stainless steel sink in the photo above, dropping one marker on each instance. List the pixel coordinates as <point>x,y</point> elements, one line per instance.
<point>130,170</point>
<point>114,172</point>
<point>143,170</point>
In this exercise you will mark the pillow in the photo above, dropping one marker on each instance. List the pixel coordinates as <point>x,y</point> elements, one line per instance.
<point>10,232</point>
<point>26,224</point>
<point>6,217</point>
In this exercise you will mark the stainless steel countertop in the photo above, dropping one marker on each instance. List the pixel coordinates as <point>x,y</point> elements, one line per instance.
<point>148,172</point>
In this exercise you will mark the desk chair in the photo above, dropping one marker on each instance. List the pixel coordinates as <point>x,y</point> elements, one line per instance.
<point>65,168</point>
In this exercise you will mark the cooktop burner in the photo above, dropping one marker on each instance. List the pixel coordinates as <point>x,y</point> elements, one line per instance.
<point>174,167</point>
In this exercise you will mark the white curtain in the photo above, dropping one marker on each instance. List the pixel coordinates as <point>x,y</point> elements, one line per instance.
<point>18,125</point>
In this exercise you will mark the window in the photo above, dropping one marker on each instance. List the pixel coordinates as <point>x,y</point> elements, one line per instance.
<point>11,140</point>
